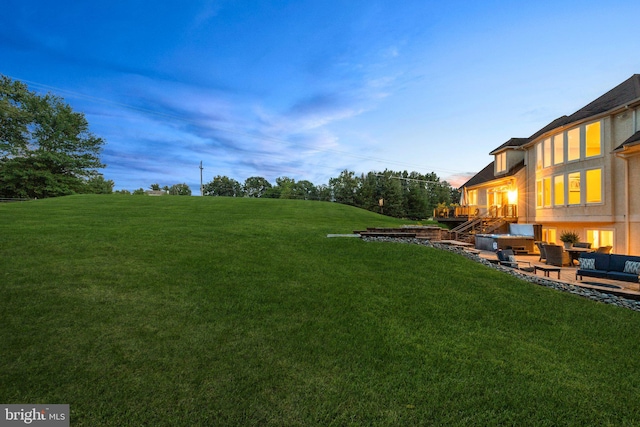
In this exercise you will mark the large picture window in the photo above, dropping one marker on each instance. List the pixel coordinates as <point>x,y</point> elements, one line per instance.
<point>574,188</point>
<point>558,149</point>
<point>546,161</point>
<point>573,144</point>
<point>546,189</point>
<point>539,156</point>
<point>558,190</point>
<point>599,238</point>
<point>593,146</point>
<point>594,185</point>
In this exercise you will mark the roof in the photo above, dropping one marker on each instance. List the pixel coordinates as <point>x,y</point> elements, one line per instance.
<point>623,94</point>
<point>486,174</point>
<point>632,141</point>
<point>626,92</point>
<point>513,142</point>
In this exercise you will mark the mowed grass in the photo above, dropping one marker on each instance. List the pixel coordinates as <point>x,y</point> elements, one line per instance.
<point>215,311</point>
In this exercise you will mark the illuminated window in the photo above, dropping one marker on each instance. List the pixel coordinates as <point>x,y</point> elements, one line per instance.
<point>539,156</point>
<point>473,197</point>
<point>501,162</point>
<point>600,238</point>
<point>573,144</point>
<point>558,149</point>
<point>558,190</point>
<point>594,185</point>
<point>547,153</point>
<point>546,190</point>
<point>539,194</point>
<point>549,235</point>
<point>592,140</point>
<point>574,188</point>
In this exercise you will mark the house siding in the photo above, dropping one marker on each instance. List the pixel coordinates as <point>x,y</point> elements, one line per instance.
<point>619,208</point>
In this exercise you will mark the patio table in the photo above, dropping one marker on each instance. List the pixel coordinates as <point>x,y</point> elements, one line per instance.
<point>546,269</point>
<point>574,253</point>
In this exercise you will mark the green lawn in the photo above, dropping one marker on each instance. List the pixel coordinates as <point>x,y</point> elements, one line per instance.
<point>215,311</point>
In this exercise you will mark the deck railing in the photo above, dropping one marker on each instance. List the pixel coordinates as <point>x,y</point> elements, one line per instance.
<point>468,212</point>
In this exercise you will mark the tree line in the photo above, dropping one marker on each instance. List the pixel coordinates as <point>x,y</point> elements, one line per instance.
<point>398,194</point>
<point>46,150</point>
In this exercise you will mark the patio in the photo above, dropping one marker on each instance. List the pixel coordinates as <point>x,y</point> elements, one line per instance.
<point>568,275</point>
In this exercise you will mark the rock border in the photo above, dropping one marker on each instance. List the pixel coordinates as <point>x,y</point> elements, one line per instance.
<point>592,294</point>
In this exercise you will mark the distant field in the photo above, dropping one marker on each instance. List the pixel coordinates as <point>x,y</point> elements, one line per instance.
<point>215,311</point>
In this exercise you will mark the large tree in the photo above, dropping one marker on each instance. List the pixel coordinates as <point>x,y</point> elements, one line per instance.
<point>180,190</point>
<point>255,186</point>
<point>46,149</point>
<point>344,187</point>
<point>222,186</point>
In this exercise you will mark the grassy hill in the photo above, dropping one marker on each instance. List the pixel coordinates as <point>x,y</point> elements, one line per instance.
<point>216,311</point>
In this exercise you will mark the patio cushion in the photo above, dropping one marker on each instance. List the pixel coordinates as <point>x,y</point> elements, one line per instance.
<point>618,261</point>
<point>587,263</point>
<point>632,267</point>
<point>592,273</point>
<point>627,277</point>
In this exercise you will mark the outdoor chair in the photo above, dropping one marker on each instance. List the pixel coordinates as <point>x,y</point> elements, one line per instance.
<point>586,245</point>
<point>556,255</point>
<point>507,258</point>
<point>604,249</point>
<point>543,255</point>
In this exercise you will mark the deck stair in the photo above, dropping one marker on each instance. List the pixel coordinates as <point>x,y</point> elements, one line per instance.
<point>480,225</point>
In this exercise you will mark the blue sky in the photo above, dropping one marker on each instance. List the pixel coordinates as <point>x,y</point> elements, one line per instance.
<point>308,88</point>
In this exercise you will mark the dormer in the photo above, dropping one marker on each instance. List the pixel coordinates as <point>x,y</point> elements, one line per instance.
<point>508,155</point>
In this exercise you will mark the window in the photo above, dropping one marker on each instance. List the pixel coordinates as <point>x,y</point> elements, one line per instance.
<point>558,190</point>
<point>501,162</point>
<point>549,235</point>
<point>574,188</point>
<point>573,144</point>
<point>546,191</point>
<point>600,238</point>
<point>539,156</point>
<point>538,194</point>
<point>473,197</point>
<point>558,149</point>
<point>594,185</point>
<point>592,140</point>
<point>547,153</point>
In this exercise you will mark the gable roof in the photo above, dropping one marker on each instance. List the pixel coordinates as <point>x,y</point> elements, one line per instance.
<point>486,174</point>
<point>513,142</point>
<point>631,142</point>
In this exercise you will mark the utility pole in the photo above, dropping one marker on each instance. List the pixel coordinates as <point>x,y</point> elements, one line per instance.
<point>201,178</point>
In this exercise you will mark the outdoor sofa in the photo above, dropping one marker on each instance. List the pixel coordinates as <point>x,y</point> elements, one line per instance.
<point>609,266</point>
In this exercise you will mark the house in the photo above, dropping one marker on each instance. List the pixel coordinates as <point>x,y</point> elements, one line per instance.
<point>579,173</point>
